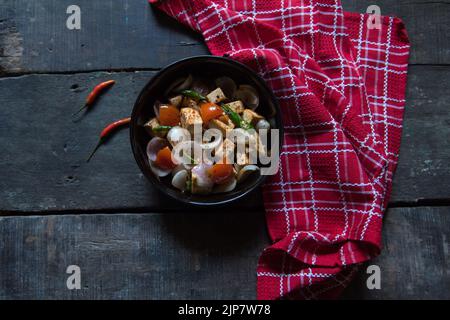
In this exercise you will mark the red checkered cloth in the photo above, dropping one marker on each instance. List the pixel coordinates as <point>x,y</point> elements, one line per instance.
<point>341,88</point>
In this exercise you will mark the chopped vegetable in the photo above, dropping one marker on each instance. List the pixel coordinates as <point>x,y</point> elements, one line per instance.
<point>169,115</point>
<point>236,106</point>
<point>180,179</point>
<point>164,159</point>
<point>220,172</point>
<point>176,101</point>
<point>162,128</point>
<point>151,127</point>
<point>237,120</point>
<point>216,96</point>
<point>209,111</point>
<point>193,94</point>
<point>192,106</point>
<point>248,95</point>
<point>190,118</point>
<point>189,103</point>
<point>189,185</point>
<point>222,124</point>
<point>251,116</point>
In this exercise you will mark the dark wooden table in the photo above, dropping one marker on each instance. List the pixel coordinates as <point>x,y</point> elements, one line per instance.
<point>129,240</point>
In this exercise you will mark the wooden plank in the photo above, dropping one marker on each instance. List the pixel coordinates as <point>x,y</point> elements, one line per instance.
<point>43,164</point>
<point>414,262</point>
<point>114,35</point>
<point>426,22</point>
<point>145,256</point>
<point>197,256</point>
<point>130,34</point>
<point>425,147</point>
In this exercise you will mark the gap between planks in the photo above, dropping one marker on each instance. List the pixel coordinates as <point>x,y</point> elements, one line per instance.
<point>5,74</point>
<point>203,210</point>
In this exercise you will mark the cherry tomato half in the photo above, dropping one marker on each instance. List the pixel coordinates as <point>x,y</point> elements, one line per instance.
<point>209,111</point>
<point>164,159</point>
<point>169,115</point>
<point>220,172</point>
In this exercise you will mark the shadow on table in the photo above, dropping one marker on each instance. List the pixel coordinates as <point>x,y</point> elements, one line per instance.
<point>165,21</point>
<point>218,231</point>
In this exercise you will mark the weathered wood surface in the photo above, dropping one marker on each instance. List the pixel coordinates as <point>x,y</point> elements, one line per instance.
<point>190,253</point>
<point>124,34</point>
<point>415,260</point>
<point>43,157</point>
<point>43,165</point>
<point>197,256</point>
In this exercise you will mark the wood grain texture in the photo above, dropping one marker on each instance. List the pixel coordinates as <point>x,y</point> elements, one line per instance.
<point>176,254</point>
<point>43,166</point>
<point>197,256</point>
<point>426,23</point>
<point>414,263</point>
<point>123,34</point>
<point>114,35</point>
<point>423,171</point>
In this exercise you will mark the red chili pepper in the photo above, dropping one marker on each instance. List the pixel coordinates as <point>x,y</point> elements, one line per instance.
<point>107,131</point>
<point>95,93</point>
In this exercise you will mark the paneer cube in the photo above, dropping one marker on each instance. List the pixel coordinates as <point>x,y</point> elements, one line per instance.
<point>176,101</point>
<point>242,159</point>
<point>189,103</point>
<point>223,124</point>
<point>226,151</point>
<point>236,106</point>
<point>190,118</point>
<point>251,116</point>
<point>152,128</point>
<point>197,187</point>
<point>216,96</point>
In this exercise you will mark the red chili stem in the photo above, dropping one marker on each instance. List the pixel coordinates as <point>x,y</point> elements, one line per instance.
<point>79,110</point>
<point>92,97</point>
<point>100,142</point>
<point>106,132</point>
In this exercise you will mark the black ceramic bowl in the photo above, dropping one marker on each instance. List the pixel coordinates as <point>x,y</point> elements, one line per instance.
<point>211,67</point>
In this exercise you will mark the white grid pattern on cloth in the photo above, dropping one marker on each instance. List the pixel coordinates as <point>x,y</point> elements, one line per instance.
<point>337,84</point>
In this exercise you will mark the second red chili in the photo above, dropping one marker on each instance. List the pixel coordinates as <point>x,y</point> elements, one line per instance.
<point>107,131</point>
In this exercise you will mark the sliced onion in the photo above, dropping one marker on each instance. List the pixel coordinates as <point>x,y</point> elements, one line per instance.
<point>156,106</point>
<point>178,168</point>
<point>153,147</point>
<point>226,187</point>
<point>248,95</point>
<point>196,153</point>
<point>227,85</point>
<point>246,171</point>
<point>179,85</point>
<point>177,135</point>
<point>248,136</point>
<point>200,86</point>
<point>179,180</point>
<point>159,172</point>
<point>213,144</point>
<point>201,182</point>
<point>262,124</point>
<point>273,123</point>
<point>176,100</point>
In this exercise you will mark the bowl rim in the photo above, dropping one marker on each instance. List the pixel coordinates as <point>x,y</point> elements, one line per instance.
<point>134,117</point>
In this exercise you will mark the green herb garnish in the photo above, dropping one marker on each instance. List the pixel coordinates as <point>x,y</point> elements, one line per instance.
<point>161,128</point>
<point>193,94</point>
<point>189,185</point>
<point>237,120</point>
